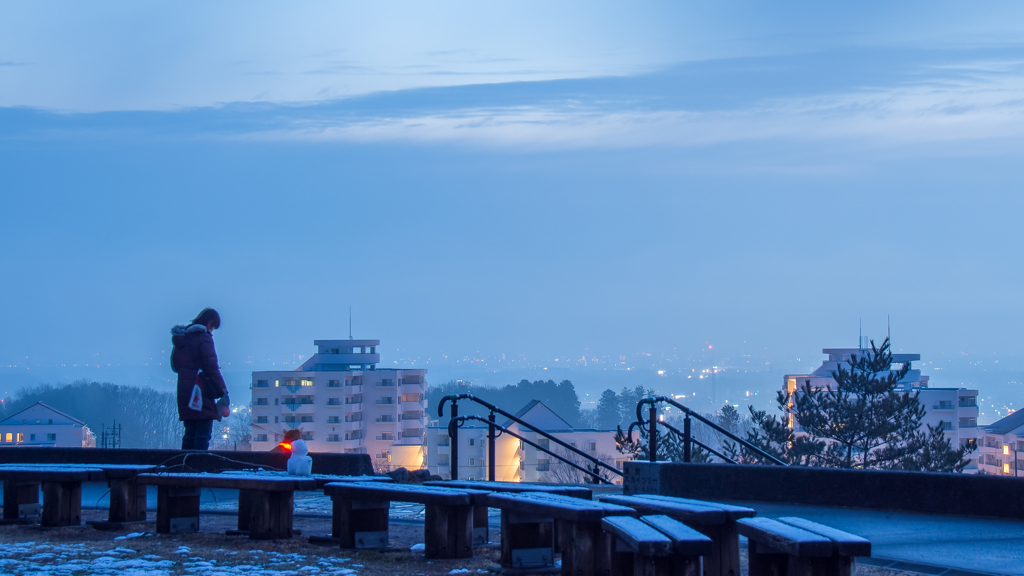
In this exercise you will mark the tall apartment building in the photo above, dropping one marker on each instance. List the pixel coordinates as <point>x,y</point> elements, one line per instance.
<point>953,409</point>
<point>342,402</point>
<point>1002,447</point>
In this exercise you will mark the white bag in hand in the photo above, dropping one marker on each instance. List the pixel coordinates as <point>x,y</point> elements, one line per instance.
<point>196,401</point>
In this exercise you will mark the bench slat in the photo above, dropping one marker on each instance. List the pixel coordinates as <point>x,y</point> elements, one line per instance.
<point>685,540</point>
<point>405,493</point>
<point>50,474</point>
<point>229,481</point>
<point>684,510</point>
<point>515,487</point>
<point>640,537</point>
<point>554,506</point>
<point>731,512</point>
<point>845,543</point>
<point>784,538</point>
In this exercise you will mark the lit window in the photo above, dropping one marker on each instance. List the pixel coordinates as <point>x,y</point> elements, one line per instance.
<point>21,437</point>
<point>1006,449</point>
<point>1006,467</point>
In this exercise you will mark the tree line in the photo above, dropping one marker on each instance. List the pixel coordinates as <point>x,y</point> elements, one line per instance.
<point>148,418</point>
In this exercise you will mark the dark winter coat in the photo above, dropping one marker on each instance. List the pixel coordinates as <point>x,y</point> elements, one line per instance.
<point>195,361</point>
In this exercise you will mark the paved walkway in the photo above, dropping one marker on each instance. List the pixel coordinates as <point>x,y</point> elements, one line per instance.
<point>976,544</point>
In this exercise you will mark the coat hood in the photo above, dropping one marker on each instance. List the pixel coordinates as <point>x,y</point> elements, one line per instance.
<point>181,330</point>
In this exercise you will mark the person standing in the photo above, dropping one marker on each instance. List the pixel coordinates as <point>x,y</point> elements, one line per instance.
<point>200,383</point>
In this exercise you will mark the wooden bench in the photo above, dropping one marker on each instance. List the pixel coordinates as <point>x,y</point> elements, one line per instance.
<point>717,521</point>
<point>62,493</point>
<point>268,510</point>
<point>245,498</point>
<point>127,497</point>
<point>527,531</point>
<point>360,515</point>
<point>799,547</point>
<point>654,546</point>
<point>481,529</point>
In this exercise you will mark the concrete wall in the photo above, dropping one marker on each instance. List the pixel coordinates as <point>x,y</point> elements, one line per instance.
<point>340,464</point>
<point>926,492</point>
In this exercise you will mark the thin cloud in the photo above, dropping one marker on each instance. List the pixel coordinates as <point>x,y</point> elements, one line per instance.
<point>988,106</point>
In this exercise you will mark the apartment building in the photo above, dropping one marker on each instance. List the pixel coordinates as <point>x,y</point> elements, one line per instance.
<point>955,410</point>
<point>1002,446</point>
<point>517,461</point>
<point>341,402</point>
<point>42,426</point>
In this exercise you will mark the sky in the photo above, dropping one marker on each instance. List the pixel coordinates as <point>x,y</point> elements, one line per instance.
<point>538,180</point>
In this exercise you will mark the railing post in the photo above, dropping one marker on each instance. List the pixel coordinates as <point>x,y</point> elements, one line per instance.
<point>686,438</point>
<point>652,434</point>
<point>596,476</point>
<point>453,439</point>
<point>490,448</point>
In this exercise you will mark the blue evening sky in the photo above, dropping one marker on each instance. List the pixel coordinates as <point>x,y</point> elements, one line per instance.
<point>548,179</point>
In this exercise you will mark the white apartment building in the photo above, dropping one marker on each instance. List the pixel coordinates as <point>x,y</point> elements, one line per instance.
<point>516,461</point>
<point>954,409</point>
<point>1002,446</point>
<point>341,402</point>
<point>42,426</point>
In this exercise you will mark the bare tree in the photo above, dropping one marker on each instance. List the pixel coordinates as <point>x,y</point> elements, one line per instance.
<point>560,472</point>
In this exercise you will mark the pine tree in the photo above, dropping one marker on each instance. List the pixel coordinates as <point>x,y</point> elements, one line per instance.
<point>864,421</point>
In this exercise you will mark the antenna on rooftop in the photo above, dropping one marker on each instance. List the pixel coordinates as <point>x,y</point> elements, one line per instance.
<point>349,322</point>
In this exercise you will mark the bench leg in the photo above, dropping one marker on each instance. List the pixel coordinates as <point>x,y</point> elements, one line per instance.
<point>526,541</point>
<point>270,514</point>
<point>244,509</point>
<point>448,531</point>
<point>62,504</point>
<point>837,566</point>
<point>622,560</point>
<point>685,565</point>
<point>481,533</point>
<point>585,549</point>
<point>127,501</point>
<point>177,509</point>
<point>20,499</point>
<point>360,523</point>
<point>662,566</point>
<point>725,549</point>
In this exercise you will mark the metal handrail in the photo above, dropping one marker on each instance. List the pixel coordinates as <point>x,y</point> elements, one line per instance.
<point>640,428</point>
<point>686,436</point>
<point>454,398</point>
<point>458,421</point>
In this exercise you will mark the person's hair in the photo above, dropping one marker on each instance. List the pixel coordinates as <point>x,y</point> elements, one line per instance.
<point>208,316</point>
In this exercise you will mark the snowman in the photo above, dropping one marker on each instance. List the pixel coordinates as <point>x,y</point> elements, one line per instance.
<point>300,463</point>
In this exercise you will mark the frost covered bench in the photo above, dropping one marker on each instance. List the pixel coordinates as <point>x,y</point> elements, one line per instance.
<point>717,521</point>
<point>360,515</point>
<point>480,526</point>
<point>62,493</point>
<point>799,547</point>
<point>527,530</point>
<point>654,546</point>
<point>127,498</point>
<point>267,513</point>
